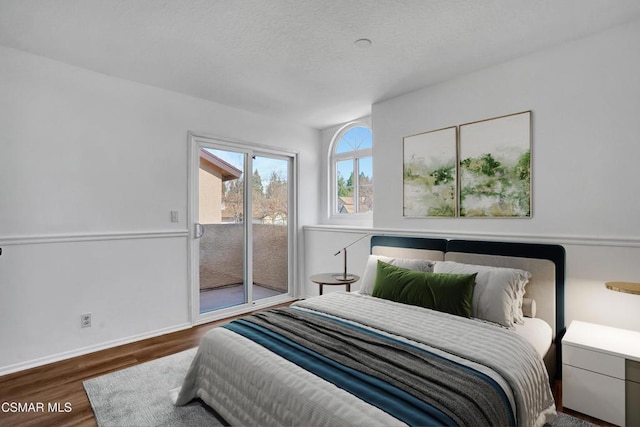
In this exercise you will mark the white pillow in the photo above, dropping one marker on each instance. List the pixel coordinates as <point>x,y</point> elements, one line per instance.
<point>369,276</point>
<point>497,296</point>
<point>518,312</point>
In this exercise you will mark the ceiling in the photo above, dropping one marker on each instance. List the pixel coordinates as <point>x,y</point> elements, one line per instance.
<point>296,59</point>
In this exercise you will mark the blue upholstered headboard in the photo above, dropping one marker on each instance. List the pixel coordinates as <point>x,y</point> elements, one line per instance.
<point>546,263</point>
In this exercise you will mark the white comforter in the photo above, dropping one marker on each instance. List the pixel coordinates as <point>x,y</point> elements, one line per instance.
<point>248,385</point>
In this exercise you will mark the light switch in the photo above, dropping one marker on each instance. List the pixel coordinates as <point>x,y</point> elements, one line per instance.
<point>174,216</point>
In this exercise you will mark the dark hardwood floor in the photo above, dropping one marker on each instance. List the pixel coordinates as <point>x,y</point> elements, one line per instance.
<point>61,382</point>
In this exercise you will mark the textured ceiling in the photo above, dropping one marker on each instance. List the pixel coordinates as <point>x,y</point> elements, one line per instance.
<point>296,59</point>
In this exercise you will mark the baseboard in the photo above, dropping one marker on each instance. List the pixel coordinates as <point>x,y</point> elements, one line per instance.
<point>34,363</point>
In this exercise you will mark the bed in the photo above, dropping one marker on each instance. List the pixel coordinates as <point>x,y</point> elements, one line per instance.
<point>370,358</point>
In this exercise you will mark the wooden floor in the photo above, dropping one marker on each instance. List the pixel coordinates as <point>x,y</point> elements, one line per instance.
<point>61,382</point>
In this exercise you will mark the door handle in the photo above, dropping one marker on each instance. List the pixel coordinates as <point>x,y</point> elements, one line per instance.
<point>199,231</point>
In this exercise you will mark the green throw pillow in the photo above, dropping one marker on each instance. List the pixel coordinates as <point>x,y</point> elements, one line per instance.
<point>451,293</point>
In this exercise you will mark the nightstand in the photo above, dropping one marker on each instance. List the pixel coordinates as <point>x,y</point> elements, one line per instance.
<point>601,372</point>
<point>334,279</point>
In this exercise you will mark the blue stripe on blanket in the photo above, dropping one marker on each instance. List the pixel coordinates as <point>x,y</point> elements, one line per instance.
<point>376,392</point>
<point>480,374</point>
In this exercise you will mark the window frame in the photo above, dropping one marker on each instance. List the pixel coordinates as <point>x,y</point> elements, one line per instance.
<point>353,155</point>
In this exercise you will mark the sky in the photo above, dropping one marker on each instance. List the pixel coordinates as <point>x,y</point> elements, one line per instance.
<point>264,165</point>
<point>355,138</point>
<point>345,168</point>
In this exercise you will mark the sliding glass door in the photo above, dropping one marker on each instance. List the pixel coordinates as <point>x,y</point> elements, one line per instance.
<point>242,211</point>
<point>270,226</point>
<point>221,232</point>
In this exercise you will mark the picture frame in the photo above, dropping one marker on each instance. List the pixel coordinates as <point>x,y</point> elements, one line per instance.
<point>430,174</point>
<point>495,167</point>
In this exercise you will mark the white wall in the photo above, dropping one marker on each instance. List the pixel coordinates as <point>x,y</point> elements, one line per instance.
<point>321,243</point>
<point>90,168</point>
<point>585,99</point>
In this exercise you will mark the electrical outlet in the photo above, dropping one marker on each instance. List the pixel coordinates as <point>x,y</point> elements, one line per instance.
<point>85,320</point>
<point>174,216</point>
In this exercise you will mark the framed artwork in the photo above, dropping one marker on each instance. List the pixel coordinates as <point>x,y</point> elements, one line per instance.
<point>429,174</point>
<point>495,167</point>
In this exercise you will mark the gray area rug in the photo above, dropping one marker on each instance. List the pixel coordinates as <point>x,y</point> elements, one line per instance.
<point>139,396</point>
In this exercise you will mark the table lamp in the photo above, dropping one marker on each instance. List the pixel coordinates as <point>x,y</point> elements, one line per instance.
<point>344,275</point>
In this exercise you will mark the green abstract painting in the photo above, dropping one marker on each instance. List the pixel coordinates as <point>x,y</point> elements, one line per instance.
<point>429,174</point>
<point>495,167</point>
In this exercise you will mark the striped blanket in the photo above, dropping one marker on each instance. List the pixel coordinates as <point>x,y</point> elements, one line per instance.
<point>414,385</point>
<point>348,359</point>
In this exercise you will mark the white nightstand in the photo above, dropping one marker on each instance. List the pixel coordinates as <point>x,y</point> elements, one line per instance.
<point>601,372</point>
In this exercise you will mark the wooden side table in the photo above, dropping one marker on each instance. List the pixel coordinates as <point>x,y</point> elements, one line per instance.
<point>334,279</point>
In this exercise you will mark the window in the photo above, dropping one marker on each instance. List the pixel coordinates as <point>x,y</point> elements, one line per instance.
<point>352,170</point>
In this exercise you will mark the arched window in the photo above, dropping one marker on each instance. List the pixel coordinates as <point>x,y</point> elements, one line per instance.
<point>352,170</point>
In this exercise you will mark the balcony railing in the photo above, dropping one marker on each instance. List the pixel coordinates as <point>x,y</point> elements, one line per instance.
<point>222,257</point>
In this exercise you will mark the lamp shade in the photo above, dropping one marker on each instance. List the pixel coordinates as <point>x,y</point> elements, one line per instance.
<point>626,287</point>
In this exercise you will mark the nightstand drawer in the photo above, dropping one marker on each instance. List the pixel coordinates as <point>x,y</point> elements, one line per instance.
<point>633,371</point>
<point>597,395</point>
<point>633,393</point>
<point>594,361</point>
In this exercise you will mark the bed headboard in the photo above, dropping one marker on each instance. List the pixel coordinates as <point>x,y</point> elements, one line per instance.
<point>545,262</point>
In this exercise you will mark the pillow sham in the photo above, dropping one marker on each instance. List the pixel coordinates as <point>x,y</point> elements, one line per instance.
<point>450,293</point>
<point>498,292</point>
<point>369,277</point>
<point>518,310</point>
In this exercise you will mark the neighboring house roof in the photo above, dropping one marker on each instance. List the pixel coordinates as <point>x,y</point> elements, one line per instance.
<point>229,171</point>
<point>346,205</point>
